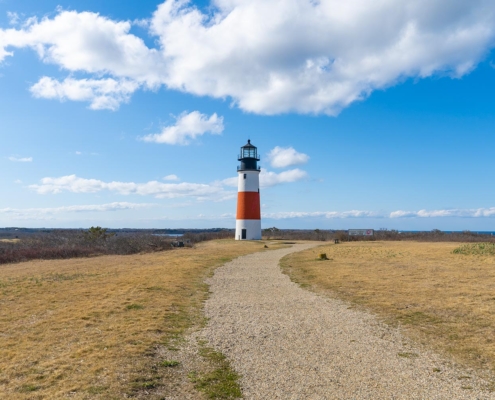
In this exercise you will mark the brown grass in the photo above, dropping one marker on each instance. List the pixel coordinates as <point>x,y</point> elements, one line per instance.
<point>441,299</point>
<point>89,328</point>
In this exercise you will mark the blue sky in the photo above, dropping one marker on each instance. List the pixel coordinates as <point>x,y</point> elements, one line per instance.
<point>132,115</point>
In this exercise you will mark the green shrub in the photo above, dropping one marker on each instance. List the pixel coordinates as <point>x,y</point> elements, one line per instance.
<point>485,249</point>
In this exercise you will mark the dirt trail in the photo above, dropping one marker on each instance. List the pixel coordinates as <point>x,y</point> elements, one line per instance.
<point>289,343</point>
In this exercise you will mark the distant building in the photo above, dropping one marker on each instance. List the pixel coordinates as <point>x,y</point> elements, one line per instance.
<point>248,219</point>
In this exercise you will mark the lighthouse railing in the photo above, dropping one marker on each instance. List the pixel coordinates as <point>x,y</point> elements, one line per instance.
<point>239,169</point>
<point>241,157</point>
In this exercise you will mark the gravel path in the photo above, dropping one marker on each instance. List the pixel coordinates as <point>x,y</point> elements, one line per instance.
<point>289,343</point>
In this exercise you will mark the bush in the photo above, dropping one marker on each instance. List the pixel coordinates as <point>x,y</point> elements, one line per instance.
<point>72,243</point>
<point>330,235</point>
<point>63,244</point>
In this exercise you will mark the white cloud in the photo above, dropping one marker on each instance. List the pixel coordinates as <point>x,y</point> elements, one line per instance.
<point>89,43</point>
<point>21,159</point>
<point>172,177</point>
<point>459,213</point>
<point>34,212</point>
<point>323,214</point>
<point>281,157</point>
<point>101,93</point>
<point>268,178</point>
<point>142,23</point>
<point>456,213</point>
<point>214,191</point>
<point>115,206</point>
<point>317,57</point>
<point>74,184</point>
<point>232,182</point>
<point>187,126</point>
<point>13,18</point>
<point>80,208</point>
<point>268,56</point>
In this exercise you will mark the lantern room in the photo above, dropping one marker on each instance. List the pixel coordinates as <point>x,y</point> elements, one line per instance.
<point>249,158</point>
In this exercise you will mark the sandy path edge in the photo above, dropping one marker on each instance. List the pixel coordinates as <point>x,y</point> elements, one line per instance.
<point>288,343</point>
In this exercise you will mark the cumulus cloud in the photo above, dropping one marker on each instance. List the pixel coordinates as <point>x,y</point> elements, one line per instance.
<point>21,159</point>
<point>171,177</point>
<point>89,43</point>
<point>215,191</point>
<point>102,94</point>
<point>459,213</point>
<point>186,128</point>
<point>281,157</point>
<point>269,178</point>
<point>317,57</point>
<point>323,214</point>
<point>75,184</point>
<point>269,57</point>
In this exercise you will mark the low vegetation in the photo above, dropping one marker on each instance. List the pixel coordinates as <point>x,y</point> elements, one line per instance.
<point>71,243</point>
<point>441,294</point>
<point>96,327</point>
<point>65,244</point>
<point>481,249</point>
<point>381,235</point>
<point>220,382</point>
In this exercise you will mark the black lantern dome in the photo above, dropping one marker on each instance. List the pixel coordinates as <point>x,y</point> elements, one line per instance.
<point>249,158</point>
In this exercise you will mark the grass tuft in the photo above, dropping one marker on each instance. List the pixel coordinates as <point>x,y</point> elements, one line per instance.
<point>28,388</point>
<point>418,318</point>
<point>407,355</point>
<point>97,389</point>
<point>170,363</point>
<point>221,382</point>
<point>479,249</point>
<point>134,306</point>
<point>144,383</point>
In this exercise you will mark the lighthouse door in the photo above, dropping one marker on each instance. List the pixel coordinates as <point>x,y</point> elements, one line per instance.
<point>243,232</point>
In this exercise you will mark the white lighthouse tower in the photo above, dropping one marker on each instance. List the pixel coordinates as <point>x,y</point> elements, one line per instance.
<point>248,220</point>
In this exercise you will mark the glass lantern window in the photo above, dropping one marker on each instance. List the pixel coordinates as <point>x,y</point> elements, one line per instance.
<point>249,153</point>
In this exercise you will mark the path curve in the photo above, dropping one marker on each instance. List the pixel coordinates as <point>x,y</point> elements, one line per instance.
<point>289,343</point>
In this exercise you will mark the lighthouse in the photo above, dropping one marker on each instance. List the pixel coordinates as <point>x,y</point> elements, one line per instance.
<point>248,219</point>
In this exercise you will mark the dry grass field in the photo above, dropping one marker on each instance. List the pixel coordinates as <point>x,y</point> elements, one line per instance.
<point>90,327</point>
<point>441,299</point>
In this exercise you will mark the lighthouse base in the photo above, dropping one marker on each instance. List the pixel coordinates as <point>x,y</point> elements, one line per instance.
<point>248,229</point>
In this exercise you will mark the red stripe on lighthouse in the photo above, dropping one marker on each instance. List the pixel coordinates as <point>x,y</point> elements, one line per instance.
<point>248,205</point>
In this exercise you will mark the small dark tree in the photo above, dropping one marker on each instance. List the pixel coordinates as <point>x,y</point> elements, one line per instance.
<point>272,232</point>
<point>97,234</point>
